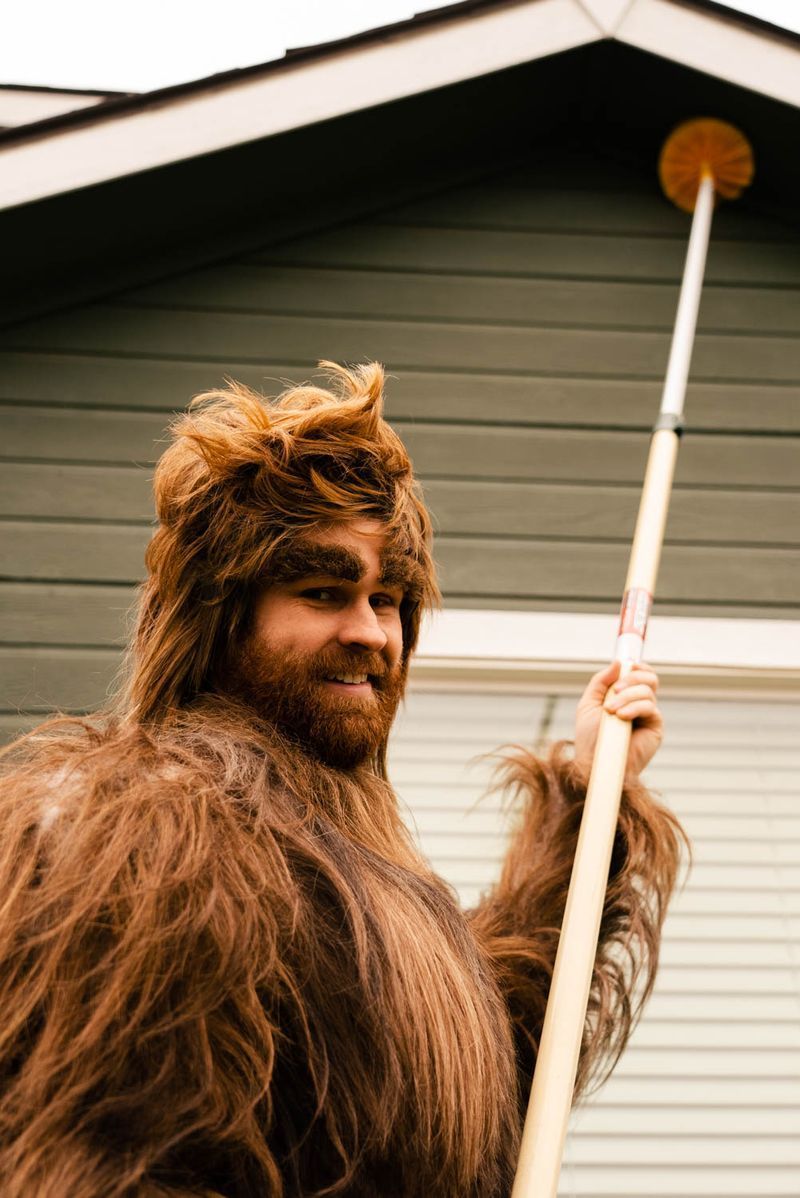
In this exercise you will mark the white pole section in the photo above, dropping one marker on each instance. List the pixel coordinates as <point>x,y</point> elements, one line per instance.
<point>680,353</point>
<point>550,1103</point>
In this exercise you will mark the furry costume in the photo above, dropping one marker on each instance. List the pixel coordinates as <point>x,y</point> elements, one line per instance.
<point>225,968</point>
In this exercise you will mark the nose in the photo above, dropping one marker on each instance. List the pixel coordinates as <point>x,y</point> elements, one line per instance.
<point>360,628</point>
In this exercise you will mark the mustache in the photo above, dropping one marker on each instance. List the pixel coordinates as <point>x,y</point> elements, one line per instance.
<point>331,661</point>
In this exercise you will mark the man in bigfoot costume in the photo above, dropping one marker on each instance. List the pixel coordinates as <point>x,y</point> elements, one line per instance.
<point>224,967</point>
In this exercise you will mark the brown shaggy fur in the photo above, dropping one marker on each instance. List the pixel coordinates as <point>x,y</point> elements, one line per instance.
<point>224,968</point>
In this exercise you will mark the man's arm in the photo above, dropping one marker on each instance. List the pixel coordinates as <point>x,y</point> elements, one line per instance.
<point>519,921</point>
<point>127,982</point>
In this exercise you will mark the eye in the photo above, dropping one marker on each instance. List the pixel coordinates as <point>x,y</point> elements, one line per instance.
<point>386,600</point>
<point>321,594</point>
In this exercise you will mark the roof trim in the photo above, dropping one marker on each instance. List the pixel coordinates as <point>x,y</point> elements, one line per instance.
<point>100,92</point>
<point>303,92</point>
<point>23,106</point>
<point>709,38</point>
<point>131,101</point>
<point>131,134</point>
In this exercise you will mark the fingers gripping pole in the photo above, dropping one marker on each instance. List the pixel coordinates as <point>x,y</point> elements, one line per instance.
<point>545,1128</point>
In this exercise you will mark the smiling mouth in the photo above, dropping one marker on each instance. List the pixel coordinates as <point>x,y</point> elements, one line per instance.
<point>355,681</point>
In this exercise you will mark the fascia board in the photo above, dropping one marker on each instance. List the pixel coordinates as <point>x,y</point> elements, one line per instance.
<point>607,13</point>
<point>703,41</point>
<point>348,80</point>
<point>20,107</point>
<point>528,638</point>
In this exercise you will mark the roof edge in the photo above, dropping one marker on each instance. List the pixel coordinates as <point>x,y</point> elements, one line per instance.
<point>746,19</point>
<point>125,102</point>
<point>121,102</point>
<point>79,149</point>
<point>51,90</point>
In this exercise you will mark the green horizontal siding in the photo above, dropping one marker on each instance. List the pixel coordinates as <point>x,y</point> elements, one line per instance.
<point>122,495</point>
<point>61,552</point>
<point>66,613</point>
<point>438,448</point>
<point>406,344</point>
<point>160,384</point>
<point>64,491</point>
<point>594,201</point>
<point>525,321</point>
<point>409,296</point>
<point>39,679</point>
<point>568,254</point>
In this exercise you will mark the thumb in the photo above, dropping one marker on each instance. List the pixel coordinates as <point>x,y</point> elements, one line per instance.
<point>599,683</point>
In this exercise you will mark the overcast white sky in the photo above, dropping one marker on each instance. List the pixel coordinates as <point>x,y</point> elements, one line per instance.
<point>147,44</point>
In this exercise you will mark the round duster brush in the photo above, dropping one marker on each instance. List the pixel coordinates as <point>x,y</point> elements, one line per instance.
<point>704,146</point>
<point>701,159</point>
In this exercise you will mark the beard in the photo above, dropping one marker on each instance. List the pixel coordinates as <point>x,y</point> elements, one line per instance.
<point>288,690</point>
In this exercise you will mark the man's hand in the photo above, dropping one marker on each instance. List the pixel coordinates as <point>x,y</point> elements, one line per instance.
<point>632,699</point>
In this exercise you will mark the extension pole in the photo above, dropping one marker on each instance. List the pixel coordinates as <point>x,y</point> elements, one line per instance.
<point>545,1128</point>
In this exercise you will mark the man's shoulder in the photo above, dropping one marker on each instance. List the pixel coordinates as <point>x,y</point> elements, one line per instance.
<point>89,744</point>
<point>75,767</point>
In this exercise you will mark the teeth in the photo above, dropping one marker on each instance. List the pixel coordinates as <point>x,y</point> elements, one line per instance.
<point>353,679</point>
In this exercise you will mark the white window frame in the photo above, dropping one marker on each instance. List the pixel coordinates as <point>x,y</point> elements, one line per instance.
<point>557,651</point>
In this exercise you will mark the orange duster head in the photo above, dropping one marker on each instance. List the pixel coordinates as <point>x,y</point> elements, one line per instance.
<point>701,147</point>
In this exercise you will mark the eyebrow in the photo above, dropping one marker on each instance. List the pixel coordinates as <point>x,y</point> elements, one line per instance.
<point>398,569</point>
<point>311,560</point>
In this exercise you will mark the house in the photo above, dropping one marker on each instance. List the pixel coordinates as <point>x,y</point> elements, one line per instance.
<point>471,198</point>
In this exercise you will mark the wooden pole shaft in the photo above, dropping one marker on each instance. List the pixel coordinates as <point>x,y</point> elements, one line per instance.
<point>554,1080</point>
<point>651,521</point>
<point>557,1062</point>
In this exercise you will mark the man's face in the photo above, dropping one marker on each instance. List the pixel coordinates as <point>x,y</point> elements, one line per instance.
<point>324,659</point>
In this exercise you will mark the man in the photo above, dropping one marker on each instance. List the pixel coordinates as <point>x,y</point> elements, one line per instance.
<point>226,970</point>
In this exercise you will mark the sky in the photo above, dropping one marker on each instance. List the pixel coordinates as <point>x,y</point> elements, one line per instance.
<point>107,46</point>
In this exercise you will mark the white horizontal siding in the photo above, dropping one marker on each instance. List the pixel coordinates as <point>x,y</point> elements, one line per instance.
<point>705,1102</point>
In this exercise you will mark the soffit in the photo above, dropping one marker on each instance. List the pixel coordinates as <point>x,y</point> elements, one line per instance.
<point>420,56</point>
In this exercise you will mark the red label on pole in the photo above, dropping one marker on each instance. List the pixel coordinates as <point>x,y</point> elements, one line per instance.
<point>636,604</point>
